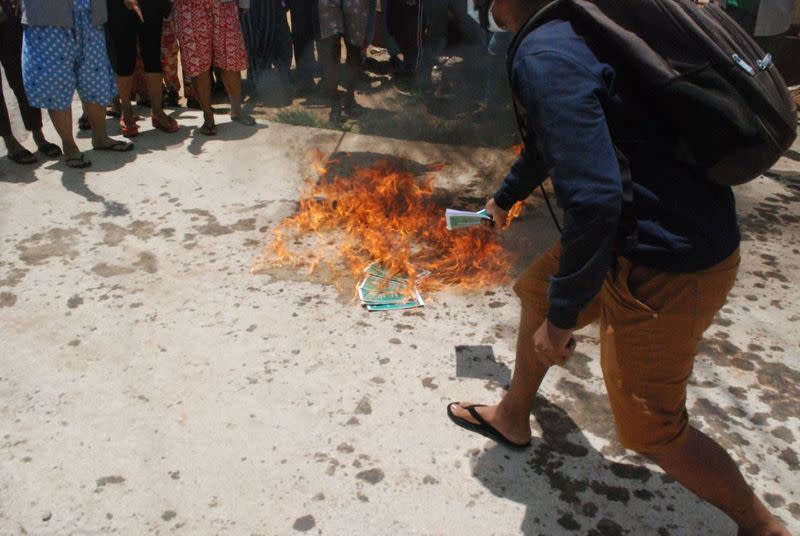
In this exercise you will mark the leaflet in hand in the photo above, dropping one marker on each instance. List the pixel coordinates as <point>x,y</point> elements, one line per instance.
<point>458,219</point>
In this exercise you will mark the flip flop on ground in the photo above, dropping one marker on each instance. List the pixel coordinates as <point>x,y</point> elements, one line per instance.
<point>165,124</point>
<point>244,119</point>
<point>23,156</point>
<point>128,127</point>
<point>483,428</point>
<point>117,146</point>
<point>50,150</point>
<point>77,161</point>
<point>208,129</point>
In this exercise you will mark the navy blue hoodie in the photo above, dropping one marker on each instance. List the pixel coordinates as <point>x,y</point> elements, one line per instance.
<point>576,115</point>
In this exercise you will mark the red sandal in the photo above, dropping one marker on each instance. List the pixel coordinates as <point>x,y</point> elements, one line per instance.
<point>170,126</point>
<point>129,130</point>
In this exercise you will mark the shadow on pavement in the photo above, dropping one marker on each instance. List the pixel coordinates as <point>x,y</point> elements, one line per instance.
<point>75,182</point>
<point>13,173</point>
<point>793,155</point>
<point>479,362</point>
<point>227,131</point>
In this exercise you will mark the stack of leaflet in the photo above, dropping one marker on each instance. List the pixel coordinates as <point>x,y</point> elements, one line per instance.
<point>378,292</point>
<point>458,219</point>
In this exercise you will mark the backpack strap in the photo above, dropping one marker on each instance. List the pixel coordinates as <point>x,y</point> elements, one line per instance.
<point>527,28</point>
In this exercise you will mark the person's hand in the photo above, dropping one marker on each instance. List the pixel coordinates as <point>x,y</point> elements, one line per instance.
<point>499,216</point>
<point>133,5</point>
<point>553,345</point>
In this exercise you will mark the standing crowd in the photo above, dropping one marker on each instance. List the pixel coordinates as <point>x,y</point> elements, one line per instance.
<point>114,51</point>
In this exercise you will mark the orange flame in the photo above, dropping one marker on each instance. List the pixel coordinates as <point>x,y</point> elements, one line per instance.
<point>382,214</point>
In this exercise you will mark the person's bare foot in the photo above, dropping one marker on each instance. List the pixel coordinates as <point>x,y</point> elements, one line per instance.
<point>243,119</point>
<point>74,158</point>
<point>515,429</point>
<point>50,150</point>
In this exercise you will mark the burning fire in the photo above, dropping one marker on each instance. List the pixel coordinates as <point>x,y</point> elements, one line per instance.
<point>386,215</point>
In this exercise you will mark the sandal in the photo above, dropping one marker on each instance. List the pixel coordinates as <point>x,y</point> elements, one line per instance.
<point>170,126</point>
<point>50,150</point>
<point>23,156</point>
<point>115,108</point>
<point>171,99</point>
<point>484,428</point>
<point>116,146</point>
<point>77,161</point>
<point>83,123</point>
<point>208,129</point>
<point>244,119</point>
<point>129,129</point>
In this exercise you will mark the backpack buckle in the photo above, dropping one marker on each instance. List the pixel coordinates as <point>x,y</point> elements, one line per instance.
<point>737,59</point>
<point>765,62</point>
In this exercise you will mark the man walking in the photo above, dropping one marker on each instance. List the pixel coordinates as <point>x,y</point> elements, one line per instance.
<point>653,299</point>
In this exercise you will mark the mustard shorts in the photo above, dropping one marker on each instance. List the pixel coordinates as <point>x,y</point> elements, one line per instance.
<point>650,325</point>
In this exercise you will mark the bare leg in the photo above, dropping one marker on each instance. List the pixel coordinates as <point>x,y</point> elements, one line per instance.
<point>511,417</point>
<point>125,87</point>
<point>154,90</point>
<point>331,54</point>
<point>233,86</point>
<point>700,464</point>
<point>707,470</point>
<point>350,74</point>
<point>202,92</point>
<point>62,121</point>
<point>97,118</point>
<point>38,137</point>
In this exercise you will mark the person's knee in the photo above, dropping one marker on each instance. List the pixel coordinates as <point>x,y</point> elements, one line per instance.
<point>654,440</point>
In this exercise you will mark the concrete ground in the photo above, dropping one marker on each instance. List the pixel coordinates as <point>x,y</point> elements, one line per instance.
<point>150,384</point>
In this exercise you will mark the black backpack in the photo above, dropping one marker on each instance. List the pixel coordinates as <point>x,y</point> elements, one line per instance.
<point>712,88</point>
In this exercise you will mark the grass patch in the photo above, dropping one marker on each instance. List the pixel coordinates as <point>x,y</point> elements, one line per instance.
<point>300,118</point>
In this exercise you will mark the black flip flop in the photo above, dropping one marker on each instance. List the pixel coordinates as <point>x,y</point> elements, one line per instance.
<point>484,428</point>
<point>244,119</point>
<point>208,129</point>
<point>117,146</point>
<point>77,162</point>
<point>23,157</point>
<point>50,150</point>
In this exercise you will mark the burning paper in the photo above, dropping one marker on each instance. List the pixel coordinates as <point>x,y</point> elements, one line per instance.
<point>378,292</point>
